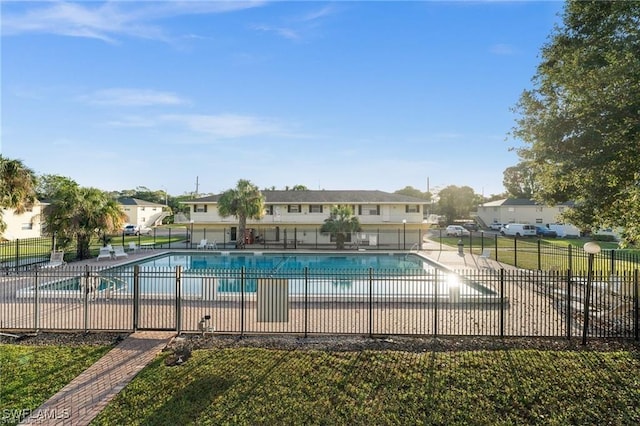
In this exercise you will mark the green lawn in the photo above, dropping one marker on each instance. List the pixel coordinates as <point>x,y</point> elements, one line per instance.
<point>29,375</point>
<point>269,386</point>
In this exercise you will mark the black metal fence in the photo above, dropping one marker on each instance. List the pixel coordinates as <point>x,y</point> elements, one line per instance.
<point>304,301</point>
<point>534,253</point>
<point>285,237</point>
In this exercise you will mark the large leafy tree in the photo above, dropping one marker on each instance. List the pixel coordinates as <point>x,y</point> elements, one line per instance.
<point>580,122</point>
<point>340,223</point>
<point>17,187</point>
<point>519,181</point>
<point>81,214</point>
<point>245,201</point>
<point>457,202</point>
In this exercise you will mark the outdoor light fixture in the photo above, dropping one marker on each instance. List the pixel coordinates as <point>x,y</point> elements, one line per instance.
<point>591,248</point>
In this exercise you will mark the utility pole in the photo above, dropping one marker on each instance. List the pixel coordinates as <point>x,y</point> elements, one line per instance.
<point>196,187</point>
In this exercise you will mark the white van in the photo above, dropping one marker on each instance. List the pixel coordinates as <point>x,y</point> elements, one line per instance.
<point>518,230</point>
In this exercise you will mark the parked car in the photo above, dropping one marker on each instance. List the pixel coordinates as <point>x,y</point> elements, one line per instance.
<point>136,230</point>
<point>518,230</point>
<point>543,231</point>
<point>456,231</point>
<point>471,226</point>
<point>495,226</point>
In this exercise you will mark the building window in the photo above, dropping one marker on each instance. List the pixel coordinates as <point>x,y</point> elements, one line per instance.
<point>314,208</point>
<point>268,210</point>
<point>511,209</point>
<point>200,208</point>
<point>412,208</point>
<point>369,210</point>
<point>538,220</point>
<point>294,208</point>
<point>27,226</point>
<point>539,208</point>
<point>142,208</point>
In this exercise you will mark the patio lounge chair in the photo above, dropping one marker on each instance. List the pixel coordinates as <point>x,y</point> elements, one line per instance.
<point>133,247</point>
<point>105,253</point>
<point>485,256</point>
<point>118,251</point>
<point>56,259</point>
<point>202,245</point>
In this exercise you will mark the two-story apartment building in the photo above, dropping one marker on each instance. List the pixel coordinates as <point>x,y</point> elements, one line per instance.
<point>143,213</point>
<point>25,225</point>
<point>520,210</point>
<point>297,215</point>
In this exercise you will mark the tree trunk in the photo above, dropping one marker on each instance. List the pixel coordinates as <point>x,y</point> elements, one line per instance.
<point>242,225</point>
<point>340,237</point>
<point>82,249</point>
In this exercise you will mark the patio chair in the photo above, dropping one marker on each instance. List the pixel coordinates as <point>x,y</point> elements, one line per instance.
<point>485,256</point>
<point>212,245</point>
<point>105,253</point>
<point>56,259</point>
<point>118,251</point>
<point>202,245</point>
<point>133,247</point>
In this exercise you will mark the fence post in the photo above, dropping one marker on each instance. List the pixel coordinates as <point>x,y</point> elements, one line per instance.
<point>85,297</point>
<point>470,242</point>
<point>539,255</point>
<point>306,301</point>
<point>570,248</point>
<point>636,324</point>
<point>242,300</point>
<point>502,307</point>
<point>515,251</point>
<point>569,304</point>
<point>179,299</point>
<point>136,297</point>
<point>495,240</point>
<point>36,301</point>
<point>435,304</point>
<point>17,257</point>
<point>370,302</point>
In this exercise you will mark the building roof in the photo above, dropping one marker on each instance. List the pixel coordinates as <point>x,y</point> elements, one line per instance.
<point>326,197</point>
<point>519,202</point>
<point>129,201</point>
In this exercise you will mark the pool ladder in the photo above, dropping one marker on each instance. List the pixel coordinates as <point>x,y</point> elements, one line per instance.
<point>278,266</point>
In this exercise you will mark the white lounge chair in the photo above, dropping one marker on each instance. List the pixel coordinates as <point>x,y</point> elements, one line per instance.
<point>133,247</point>
<point>485,256</point>
<point>105,253</point>
<point>56,259</point>
<point>118,251</point>
<point>202,245</point>
<point>212,245</point>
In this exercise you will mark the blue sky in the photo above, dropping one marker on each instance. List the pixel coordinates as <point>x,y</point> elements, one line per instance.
<point>338,95</point>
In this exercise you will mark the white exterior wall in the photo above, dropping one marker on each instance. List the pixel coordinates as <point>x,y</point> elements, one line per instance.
<point>389,214</point>
<point>139,215</point>
<point>26,225</point>
<point>538,215</point>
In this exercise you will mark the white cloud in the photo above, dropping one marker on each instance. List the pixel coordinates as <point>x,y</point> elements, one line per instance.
<point>106,21</point>
<point>287,33</point>
<point>132,97</point>
<point>228,125</point>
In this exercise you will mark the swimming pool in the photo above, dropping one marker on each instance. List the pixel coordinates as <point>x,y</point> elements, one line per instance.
<point>216,275</point>
<point>224,275</point>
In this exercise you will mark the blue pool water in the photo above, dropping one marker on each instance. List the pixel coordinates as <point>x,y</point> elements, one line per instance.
<point>214,276</point>
<point>271,263</point>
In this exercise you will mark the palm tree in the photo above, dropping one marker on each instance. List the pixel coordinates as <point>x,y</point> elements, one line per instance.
<point>17,187</point>
<point>245,201</point>
<point>340,223</point>
<point>80,214</point>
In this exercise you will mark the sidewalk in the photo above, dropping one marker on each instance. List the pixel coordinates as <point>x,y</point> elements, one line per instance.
<point>450,258</point>
<point>80,401</point>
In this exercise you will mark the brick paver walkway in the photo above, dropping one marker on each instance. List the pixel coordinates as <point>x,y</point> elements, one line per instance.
<point>82,399</point>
